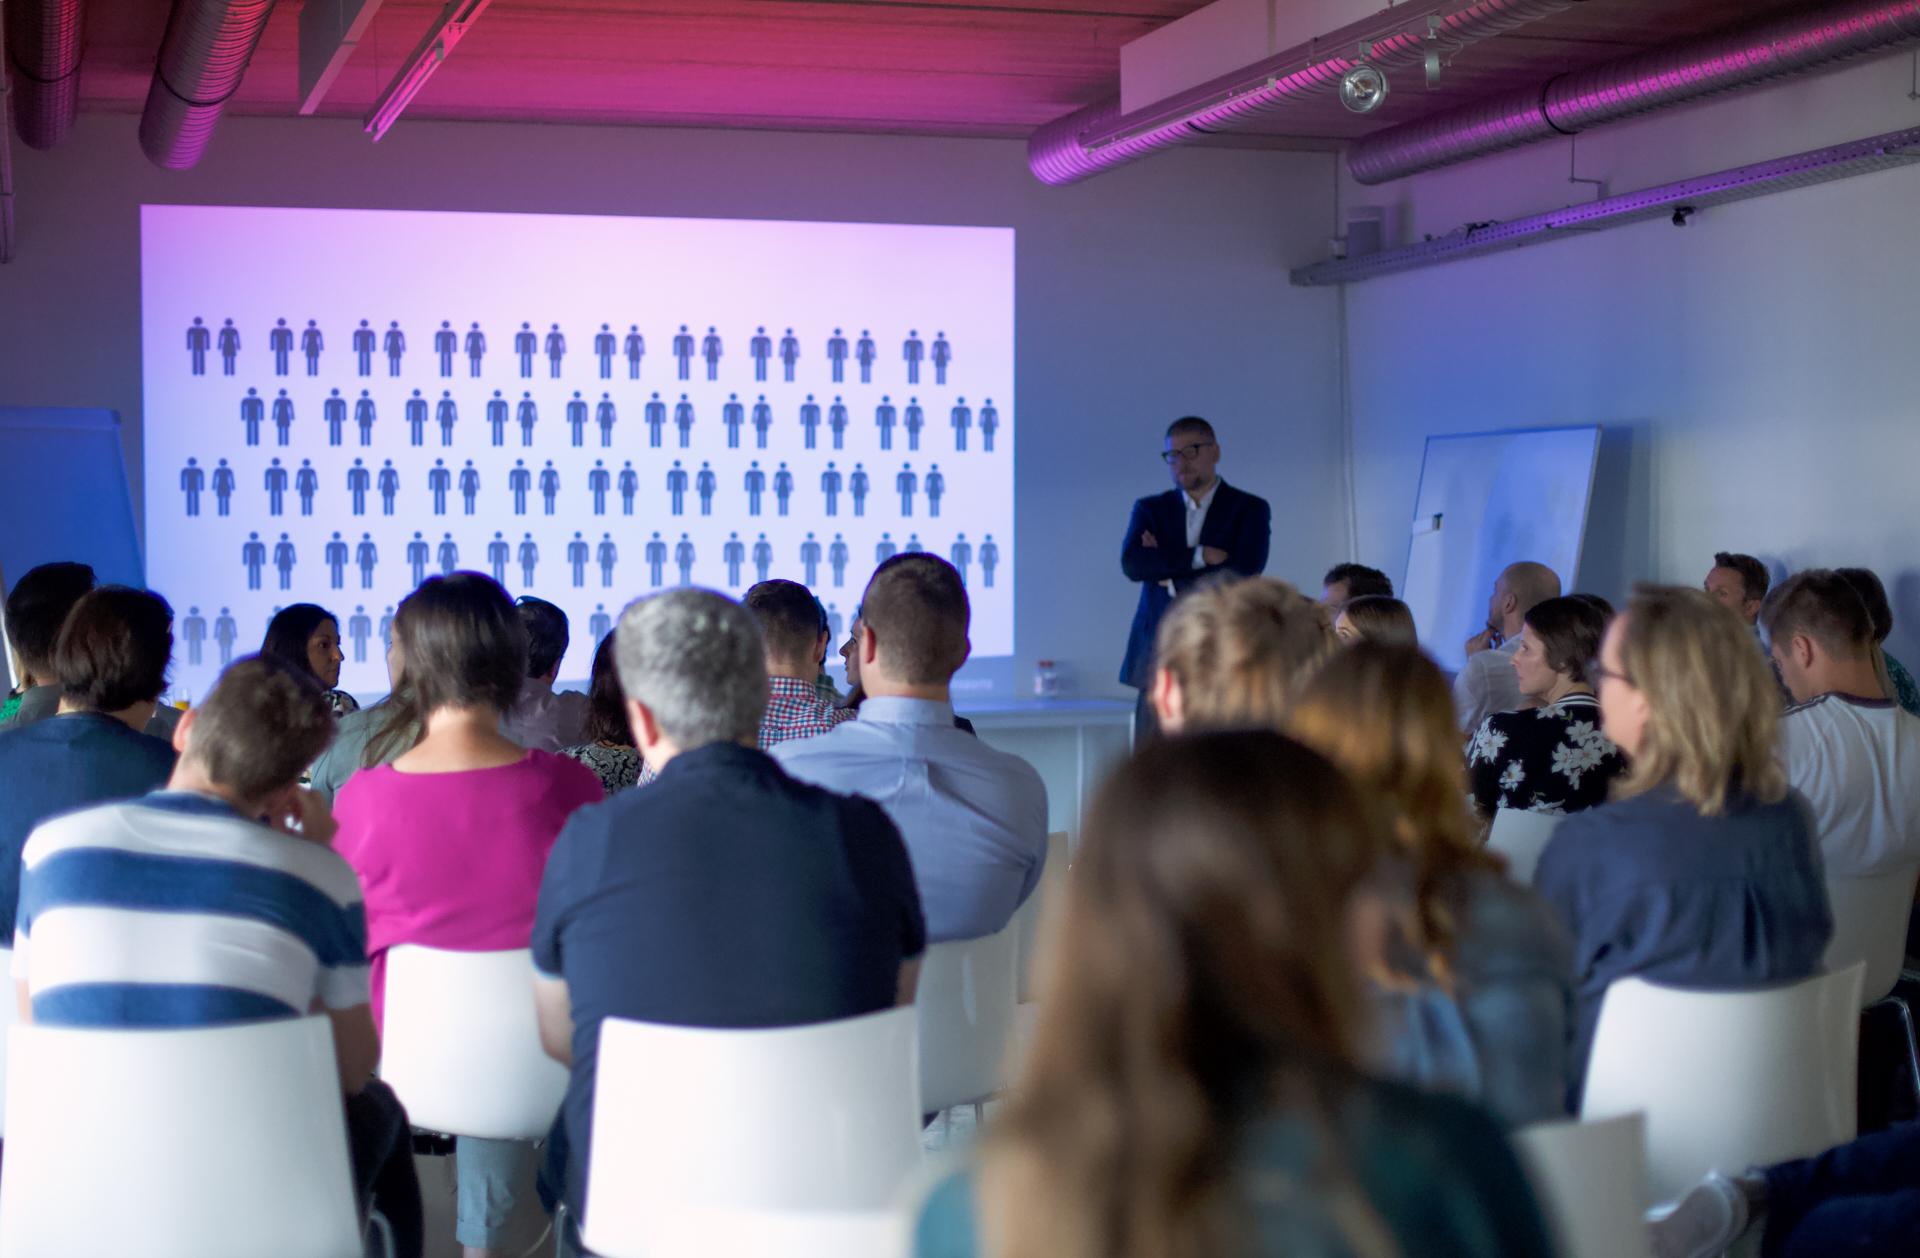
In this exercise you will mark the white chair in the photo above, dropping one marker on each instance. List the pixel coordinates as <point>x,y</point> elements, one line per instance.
<point>227,1142</point>
<point>768,1131</point>
<point>967,1005</point>
<point>1591,1181</point>
<point>461,1044</point>
<point>1521,836</point>
<point>1042,904</point>
<point>1728,1080</point>
<point>9,1014</point>
<point>1870,918</point>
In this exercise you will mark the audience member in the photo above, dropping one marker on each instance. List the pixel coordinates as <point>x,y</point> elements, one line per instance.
<point>1345,582</point>
<point>726,894</point>
<point>1233,654</point>
<point>217,901</point>
<point>307,636</point>
<point>974,819</point>
<point>1193,1086</point>
<point>544,719</point>
<point>367,737</point>
<point>1376,618</point>
<point>1595,601</point>
<point>609,749</point>
<point>850,655</point>
<point>1899,683</point>
<point>1703,871</point>
<point>1849,750</point>
<point>822,679</point>
<point>1474,997</point>
<point>1486,683</point>
<point>789,619</point>
<point>450,839</point>
<point>1552,758</point>
<point>1738,583</point>
<point>36,608</point>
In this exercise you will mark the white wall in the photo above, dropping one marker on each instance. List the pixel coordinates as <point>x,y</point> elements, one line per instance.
<point>1757,371</point>
<point>1148,293</point>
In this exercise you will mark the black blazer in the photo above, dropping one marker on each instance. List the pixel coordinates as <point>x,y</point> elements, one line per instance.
<point>1237,522</point>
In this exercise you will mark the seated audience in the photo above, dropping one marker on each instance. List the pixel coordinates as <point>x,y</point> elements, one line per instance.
<point>1345,582</point>
<point>1486,683</point>
<point>789,619</point>
<point>1474,997</point>
<point>353,748</point>
<point>36,608</point>
<point>307,636</point>
<point>1738,583</point>
<point>218,901</point>
<point>1703,871</point>
<point>1194,1085</point>
<point>1849,750</point>
<point>609,749</point>
<point>974,819</point>
<point>109,664</point>
<point>450,839</point>
<point>850,655</point>
<point>726,894</point>
<point>1231,656</point>
<point>1376,618</point>
<point>1899,683</point>
<point>1552,758</point>
<point>544,719</point>
<point>1595,601</point>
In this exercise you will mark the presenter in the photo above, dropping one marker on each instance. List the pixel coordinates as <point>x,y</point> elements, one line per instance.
<point>1178,538</point>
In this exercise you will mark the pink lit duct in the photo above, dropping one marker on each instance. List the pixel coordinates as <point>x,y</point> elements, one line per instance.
<point>1738,57</point>
<point>203,57</point>
<point>43,49</point>
<point>1099,137</point>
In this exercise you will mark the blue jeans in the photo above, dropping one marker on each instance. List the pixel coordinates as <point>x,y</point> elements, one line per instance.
<point>486,1172</point>
<point>380,1147</point>
<point>1857,1199</point>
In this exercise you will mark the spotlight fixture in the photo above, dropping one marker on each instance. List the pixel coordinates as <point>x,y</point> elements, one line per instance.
<point>1363,88</point>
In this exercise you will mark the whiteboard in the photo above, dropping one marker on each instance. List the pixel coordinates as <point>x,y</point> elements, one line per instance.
<point>1487,500</point>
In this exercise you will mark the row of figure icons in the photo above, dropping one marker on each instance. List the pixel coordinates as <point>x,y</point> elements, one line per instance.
<point>256,410</point>
<point>338,555</point>
<point>442,482</point>
<point>608,346</point>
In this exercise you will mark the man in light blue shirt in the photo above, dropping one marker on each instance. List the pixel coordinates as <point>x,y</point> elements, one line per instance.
<point>974,819</point>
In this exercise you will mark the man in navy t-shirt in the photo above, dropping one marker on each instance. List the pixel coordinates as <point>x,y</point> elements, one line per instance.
<point>725,894</point>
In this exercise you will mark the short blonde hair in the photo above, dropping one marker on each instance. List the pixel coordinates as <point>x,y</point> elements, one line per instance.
<point>1240,649</point>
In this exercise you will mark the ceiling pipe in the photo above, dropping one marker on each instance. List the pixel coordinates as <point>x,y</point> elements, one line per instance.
<point>203,57</point>
<point>44,42</point>
<point>1099,137</point>
<point>1660,78</point>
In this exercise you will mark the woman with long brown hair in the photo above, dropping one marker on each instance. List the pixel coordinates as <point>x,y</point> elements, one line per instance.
<point>1193,1087</point>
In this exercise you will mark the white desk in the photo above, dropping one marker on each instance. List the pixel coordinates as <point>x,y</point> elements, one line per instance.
<point>1072,743</point>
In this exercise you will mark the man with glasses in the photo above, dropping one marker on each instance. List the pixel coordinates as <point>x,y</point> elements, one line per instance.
<point>1177,538</point>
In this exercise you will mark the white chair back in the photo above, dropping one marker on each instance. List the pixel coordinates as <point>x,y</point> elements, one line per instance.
<point>228,1142</point>
<point>780,1234</point>
<point>8,1016</point>
<point>690,1123</point>
<point>1043,904</point>
<point>966,1003</point>
<point>1728,1079</point>
<point>461,1044</point>
<point>1870,925</point>
<point>1591,1181</point>
<point>1521,836</point>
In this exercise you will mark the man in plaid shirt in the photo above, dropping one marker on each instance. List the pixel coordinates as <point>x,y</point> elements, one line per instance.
<point>796,645</point>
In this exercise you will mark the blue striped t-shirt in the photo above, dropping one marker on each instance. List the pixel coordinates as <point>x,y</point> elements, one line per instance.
<point>175,911</point>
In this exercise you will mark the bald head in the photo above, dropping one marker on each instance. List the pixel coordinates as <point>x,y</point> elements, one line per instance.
<point>1521,588</point>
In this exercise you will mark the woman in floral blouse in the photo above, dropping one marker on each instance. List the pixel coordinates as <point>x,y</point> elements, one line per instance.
<point>1552,757</point>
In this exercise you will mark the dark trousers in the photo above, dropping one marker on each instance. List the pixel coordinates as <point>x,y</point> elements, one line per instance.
<point>1146,726</point>
<point>380,1146</point>
<point>1860,1198</point>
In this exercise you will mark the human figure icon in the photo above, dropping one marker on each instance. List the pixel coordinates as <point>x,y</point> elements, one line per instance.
<point>607,554</point>
<point>734,554</point>
<point>962,420</point>
<point>683,351</point>
<point>283,418</point>
<point>710,350</point>
<point>733,415</point>
<point>837,560</point>
<point>229,341</point>
<point>363,341</point>
<point>446,414</point>
<point>577,550</point>
<point>941,355</point>
<point>497,418</point>
<point>810,421</point>
<point>989,424</point>
<point>395,344</point>
<point>280,345</point>
<point>577,419</point>
<point>276,480</point>
<point>789,353</point>
<point>782,487</point>
<point>936,485</point>
<point>636,347</point>
<point>283,560</point>
<point>194,627</point>
<point>962,555</point>
<point>683,420</point>
<point>528,414</point>
<point>864,354</point>
<point>762,558</point>
<point>446,343</point>
<point>223,488</point>
<point>677,487</point>
<point>762,421</point>
<point>906,482</point>
<point>366,555</point>
<point>359,629</point>
<point>629,486</point>
<point>857,486</point>
<point>656,418</point>
<point>756,484</point>
<point>605,417</point>
<point>837,356</point>
<point>416,413</point>
<point>656,561</point>
<point>225,630</point>
<point>604,345</point>
<point>389,484</point>
<point>683,559</point>
<point>498,554</point>
<point>529,559</point>
<point>704,484</point>
<point>884,549</point>
<point>417,554</point>
<point>599,624</point>
<point>193,479</point>
<point>837,422</point>
<point>884,416</point>
<point>913,420</point>
<point>363,417</point>
<point>556,350</point>
<point>913,350</point>
<point>311,343</point>
<point>810,559</point>
<point>913,545</point>
<point>439,484</point>
<point>359,480</point>
<point>761,350</point>
<point>989,559</point>
<point>830,488</point>
<point>476,346</point>
<point>525,345</point>
<point>253,412</point>
<point>306,483</point>
<point>335,553</point>
<point>834,623</point>
<point>333,410</point>
<point>199,341</point>
<point>549,486</point>
<point>386,629</point>
<point>599,480</point>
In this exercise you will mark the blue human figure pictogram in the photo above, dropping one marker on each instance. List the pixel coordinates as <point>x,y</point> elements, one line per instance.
<point>499,554</point>
<point>469,486</point>
<point>906,482</point>
<point>446,414</point>
<point>606,417</point>
<point>656,419</point>
<point>311,345</point>
<point>683,420</point>
<point>386,629</point>
<point>762,421</point>
<point>936,485</point>
<point>837,560</point>
<point>656,561</point>
<point>280,345</point>
<point>734,553</point>
<point>497,418</point>
<point>439,484</point>
<point>762,558</point>
<point>416,416</point>
<point>199,341</point>
<point>223,485</point>
<point>418,552</point>
<point>810,421</point>
<point>359,480</point>
<point>962,420</point>
<point>276,482</point>
<point>837,422</point>
<point>857,486</point>
<point>577,551</point>
<point>334,412</point>
<point>940,355</point>
<point>549,486</point>
<point>989,559</point>
<point>194,628</point>
<point>636,347</point>
<point>732,416</point>
<point>810,559</point>
<point>389,484</point>
<point>366,555</point>
<point>677,487</point>
<point>913,545</point>
<point>359,629</point>
<point>363,417</point>
<point>283,418</point>
<point>704,484</point>
<point>599,480</point>
<point>830,488</point>
<point>789,353</point>
<point>525,346</point>
<point>225,631</point>
<point>229,341</point>
<point>283,561</point>
<point>837,356</point>
<point>604,345</point>
<point>395,345</point>
<point>884,549</point>
<point>756,484</point>
<point>577,419</point>
<point>683,352</point>
<point>913,420</point>
<point>683,559</point>
<point>962,556</point>
<point>760,349</point>
<point>782,487</point>
<point>989,424</point>
<point>335,554</point>
<point>913,350</point>
<point>446,343</point>
<point>306,483</point>
<point>193,479</point>
<point>607,554</point>
<point>884,417</point>
<point>528,414</point>
<point>529,559</point>
<point>363,343</point>
<point>864,353</point>
<point>710,350</point>
<point>556,350</point>
<point>629,487</point>
<point>476,346</point>
<point>834,624</point>
<point>253,413</point>
<point>599,624</point>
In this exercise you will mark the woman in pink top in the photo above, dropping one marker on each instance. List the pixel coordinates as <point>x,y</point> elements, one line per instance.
<point>451,838</point>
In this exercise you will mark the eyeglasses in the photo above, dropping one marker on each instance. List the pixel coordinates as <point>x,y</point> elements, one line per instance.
<point>1600,672</point>
<point>1184,454</point>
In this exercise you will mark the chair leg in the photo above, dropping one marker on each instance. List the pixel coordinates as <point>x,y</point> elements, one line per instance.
<point>560,1229</point>
<point>377,1225</point>
<point>1913,1044</point>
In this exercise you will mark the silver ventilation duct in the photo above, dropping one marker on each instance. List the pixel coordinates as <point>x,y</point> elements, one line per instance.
<point>202,60</point>
<point>44,40</point>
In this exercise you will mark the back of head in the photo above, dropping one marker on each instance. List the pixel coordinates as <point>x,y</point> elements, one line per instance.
<point>291,628</point>
<point>1713,708</point>
<point>1866,583</point>
<point>265,722</point>
<point>114,648</point>
<point>1753,574</point>
<point>1570,629</point>
<point>545,629</point>
<point>1239,650</point>
<point>1360,580</point>
<point>1191,426</point>
<point>1823,605</point>
<point>38,606</point>
<point>1200,976</point>
<point>698,663</point>
<point>463,644</point>
<point>606,701</point>
<point>789,619</point>
<point>917,609</point>
<point>1530,584</point>
<point>1379,618</point>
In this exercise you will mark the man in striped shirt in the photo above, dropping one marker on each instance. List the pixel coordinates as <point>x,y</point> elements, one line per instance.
<point>217,901</point>
<point>790,623</point>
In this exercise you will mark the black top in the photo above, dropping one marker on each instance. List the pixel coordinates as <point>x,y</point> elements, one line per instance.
<point>1552,759</point>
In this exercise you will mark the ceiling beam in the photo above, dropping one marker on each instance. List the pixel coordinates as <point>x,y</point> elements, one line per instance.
<point>329,32</point>
<point>448,29</point>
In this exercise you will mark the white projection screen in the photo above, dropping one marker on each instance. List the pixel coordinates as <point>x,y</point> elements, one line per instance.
<point>816,393</point>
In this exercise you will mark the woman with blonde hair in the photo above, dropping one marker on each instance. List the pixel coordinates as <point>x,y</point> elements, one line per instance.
<point>1229,655</point>
<point>1193,1087</point>
<point>1701,872</point>
<point>1472,994</point>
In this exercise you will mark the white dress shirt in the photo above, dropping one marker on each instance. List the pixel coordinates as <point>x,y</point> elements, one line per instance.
<point>1488,684</point>
<point>1196,520</point>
